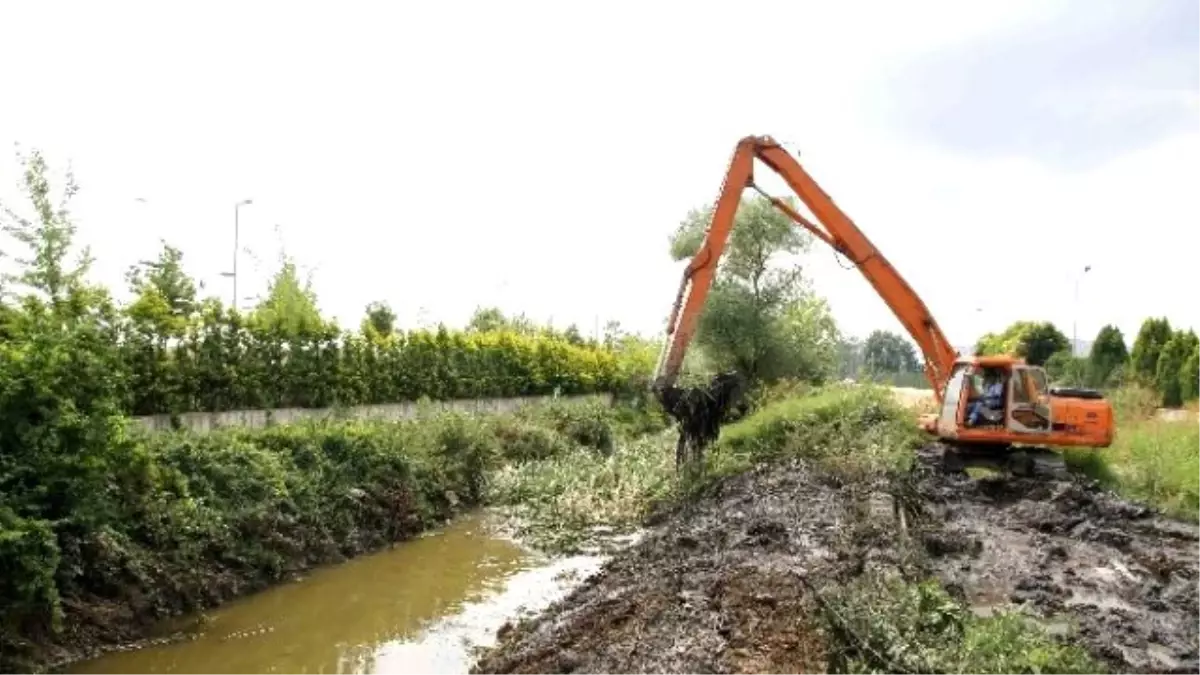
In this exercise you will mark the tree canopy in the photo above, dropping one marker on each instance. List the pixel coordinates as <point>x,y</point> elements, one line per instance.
<point>887,352</point>
<point>760,317</point>
<point>1034,341</point>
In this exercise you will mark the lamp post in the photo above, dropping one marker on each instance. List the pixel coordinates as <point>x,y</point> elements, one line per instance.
<point>1075,311</point>
<point>236,208</point>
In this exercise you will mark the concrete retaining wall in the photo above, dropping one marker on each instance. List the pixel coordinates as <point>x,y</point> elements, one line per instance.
<point>257,419</point>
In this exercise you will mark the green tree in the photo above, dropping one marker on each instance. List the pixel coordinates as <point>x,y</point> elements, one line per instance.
<point>48,237</point>
<point>1151,338</point>
<point>491,319</point>
<point>572,335</point>
<point>1171,361</point>
<point>849,357</point>
<point>1034,341</point>
<point>1063,368</point>
<point>380,321</point>
<point>290,306</point>
<point>1108,352</point>
<point>1189,377</point>
<point>164,294</point>
<point>613,333</point>
<point>887,352</point>
<point>751,320</point>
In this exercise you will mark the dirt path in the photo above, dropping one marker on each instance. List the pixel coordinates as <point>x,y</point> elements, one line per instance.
<point>730,583</point>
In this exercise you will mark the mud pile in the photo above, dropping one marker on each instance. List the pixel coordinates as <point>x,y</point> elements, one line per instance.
<point>730,582</point>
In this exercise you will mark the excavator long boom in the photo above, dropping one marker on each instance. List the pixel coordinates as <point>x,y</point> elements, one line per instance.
<point>836,229</point>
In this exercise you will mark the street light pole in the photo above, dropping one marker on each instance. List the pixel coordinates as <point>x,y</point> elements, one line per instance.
<point>1075,311</point>
<point>236,229</point>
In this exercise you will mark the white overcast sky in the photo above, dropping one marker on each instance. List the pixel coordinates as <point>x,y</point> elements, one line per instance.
<point>444,155</point>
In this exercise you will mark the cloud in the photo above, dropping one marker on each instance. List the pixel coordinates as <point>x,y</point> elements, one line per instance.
<point>1074,86</point>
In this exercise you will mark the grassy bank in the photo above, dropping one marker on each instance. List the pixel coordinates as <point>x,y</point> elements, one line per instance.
<point>182,521</point>
<point>1151,460</point>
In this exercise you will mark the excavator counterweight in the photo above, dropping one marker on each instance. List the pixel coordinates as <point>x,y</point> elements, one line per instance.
<point>987,403</point>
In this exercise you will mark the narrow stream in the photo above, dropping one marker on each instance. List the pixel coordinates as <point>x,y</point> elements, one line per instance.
<point>421,607</point>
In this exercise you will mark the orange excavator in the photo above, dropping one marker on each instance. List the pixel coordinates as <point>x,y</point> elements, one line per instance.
<point>996,411</point>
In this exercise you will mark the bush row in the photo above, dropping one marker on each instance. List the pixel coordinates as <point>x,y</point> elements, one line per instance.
<point>221,363</point>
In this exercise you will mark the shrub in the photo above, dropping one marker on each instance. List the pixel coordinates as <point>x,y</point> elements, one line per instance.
<point>589,423</point>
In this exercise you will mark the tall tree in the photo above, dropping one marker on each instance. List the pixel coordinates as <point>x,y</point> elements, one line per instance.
<point>1171,361</point>
<point>48,237</point>
<point>752,319</point>
<point>887,352</point>
<point>1064,368</point>
<point>1151,338</point>
<point>849,357</point>
<point>164,294</point>
<point>1189,377</point>
<point>1108,352</point>
<point>380,321</point>
<point>290,305</point>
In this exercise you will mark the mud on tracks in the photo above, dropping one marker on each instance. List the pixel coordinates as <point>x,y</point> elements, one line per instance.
<point>729,583</point>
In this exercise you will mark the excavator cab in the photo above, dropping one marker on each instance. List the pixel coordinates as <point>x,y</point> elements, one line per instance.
<point>1028,410</point>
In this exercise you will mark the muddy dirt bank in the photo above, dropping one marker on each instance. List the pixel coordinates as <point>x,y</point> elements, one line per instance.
<point>733,581</point>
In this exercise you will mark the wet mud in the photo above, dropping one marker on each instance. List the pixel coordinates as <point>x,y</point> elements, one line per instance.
<point>731,582</point>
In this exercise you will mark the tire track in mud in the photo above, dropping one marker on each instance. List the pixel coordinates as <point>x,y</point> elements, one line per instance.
<point>726,583</point>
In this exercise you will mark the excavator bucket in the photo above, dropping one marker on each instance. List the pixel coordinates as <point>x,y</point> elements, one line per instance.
<point>700,411</point>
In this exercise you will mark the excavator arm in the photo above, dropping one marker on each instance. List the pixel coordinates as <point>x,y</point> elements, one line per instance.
<point>835,229</point>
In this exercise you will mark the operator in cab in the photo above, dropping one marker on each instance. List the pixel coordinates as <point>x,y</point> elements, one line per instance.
<point>992,400</point>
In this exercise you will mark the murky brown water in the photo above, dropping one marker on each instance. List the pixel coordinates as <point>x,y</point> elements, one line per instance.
<point>420,607</point>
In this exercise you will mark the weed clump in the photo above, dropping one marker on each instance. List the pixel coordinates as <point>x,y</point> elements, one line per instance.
<point>879,624</point>
<point>590,424</point>
<point>559,500</point>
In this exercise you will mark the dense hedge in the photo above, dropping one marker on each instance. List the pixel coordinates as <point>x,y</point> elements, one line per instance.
<point>223,362</point>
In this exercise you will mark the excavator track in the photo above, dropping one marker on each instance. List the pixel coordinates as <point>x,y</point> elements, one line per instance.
<point>1020,461</point>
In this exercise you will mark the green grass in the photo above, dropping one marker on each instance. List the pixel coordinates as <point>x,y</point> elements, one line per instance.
<point>849,430</point>
<point>1151,460</point>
